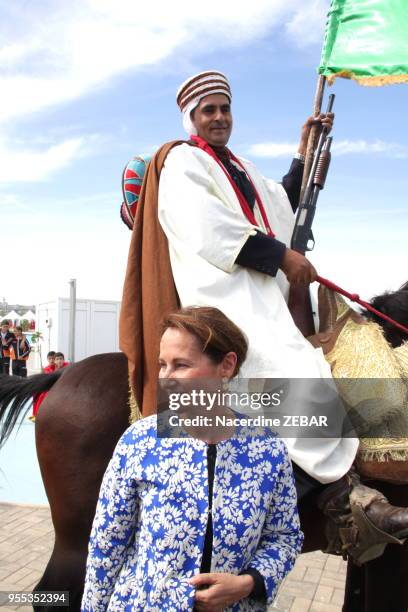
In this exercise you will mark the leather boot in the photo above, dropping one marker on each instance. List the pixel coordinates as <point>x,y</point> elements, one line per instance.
<point>334,501</point>
<point>378,522</point>
<point>362,521</point>
<point>388,518</point>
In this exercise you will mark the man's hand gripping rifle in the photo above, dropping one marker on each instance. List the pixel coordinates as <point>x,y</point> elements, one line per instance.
<point>302,234</point>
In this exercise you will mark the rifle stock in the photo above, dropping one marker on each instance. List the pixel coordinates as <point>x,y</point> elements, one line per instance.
<point>299,302</point>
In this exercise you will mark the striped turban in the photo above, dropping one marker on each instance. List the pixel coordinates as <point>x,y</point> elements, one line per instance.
<point>192,91</point>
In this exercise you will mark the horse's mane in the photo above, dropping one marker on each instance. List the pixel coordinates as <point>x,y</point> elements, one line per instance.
<point>395,305</point>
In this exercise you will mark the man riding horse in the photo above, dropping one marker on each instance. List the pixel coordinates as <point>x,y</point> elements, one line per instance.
<point>210,230</point>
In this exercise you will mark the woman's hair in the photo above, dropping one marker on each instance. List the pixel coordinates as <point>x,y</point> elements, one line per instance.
<point>216,334</point>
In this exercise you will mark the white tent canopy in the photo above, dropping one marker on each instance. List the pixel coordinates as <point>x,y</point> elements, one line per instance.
<point>12,315</point>
<point>30,315</point>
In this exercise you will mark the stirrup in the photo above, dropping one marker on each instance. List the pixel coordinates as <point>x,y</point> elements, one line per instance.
<point>371,541</point>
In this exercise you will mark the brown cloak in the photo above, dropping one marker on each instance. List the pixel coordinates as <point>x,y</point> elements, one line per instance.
<point>149,292</point>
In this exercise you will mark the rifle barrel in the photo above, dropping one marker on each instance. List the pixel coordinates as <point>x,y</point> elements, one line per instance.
<point>321,141</point>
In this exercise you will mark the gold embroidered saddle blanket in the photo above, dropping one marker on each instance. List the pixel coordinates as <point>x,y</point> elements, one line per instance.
<point>372,378</point>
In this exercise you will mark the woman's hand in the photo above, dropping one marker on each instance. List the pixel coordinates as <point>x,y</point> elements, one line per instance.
<point>223,590</point>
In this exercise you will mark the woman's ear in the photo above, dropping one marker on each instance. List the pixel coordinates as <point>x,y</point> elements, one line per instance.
<point>229,364</point>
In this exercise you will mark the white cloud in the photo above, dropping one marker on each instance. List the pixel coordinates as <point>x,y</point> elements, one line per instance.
<point>341,147</point>
<point>47,154</point>
<point>307,24</point>
<point>390,149</point>
<point>272,149</point>
<point>60,51</point>
<point>30,166</point>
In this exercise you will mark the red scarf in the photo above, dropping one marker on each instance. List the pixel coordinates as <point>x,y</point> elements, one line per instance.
<point>246,209</point>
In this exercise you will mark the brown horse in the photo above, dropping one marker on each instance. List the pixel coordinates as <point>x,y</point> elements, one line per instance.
<point>77,428</point>
<point>80,421</point>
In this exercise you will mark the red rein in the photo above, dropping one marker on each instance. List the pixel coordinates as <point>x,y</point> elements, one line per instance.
<point>356,298</point>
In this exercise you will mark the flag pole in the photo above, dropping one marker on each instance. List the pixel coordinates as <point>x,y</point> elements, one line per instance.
<point>311,143</point>
<point>299,302</point>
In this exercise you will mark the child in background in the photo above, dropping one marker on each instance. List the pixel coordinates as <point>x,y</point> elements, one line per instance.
<point>6,338</point>
<point>38,399</point>
<point>19,353</point>
<point>60,361</point>
<point>51,363</point>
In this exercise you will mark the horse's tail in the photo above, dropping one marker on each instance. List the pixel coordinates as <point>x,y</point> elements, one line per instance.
<point>14,395</point>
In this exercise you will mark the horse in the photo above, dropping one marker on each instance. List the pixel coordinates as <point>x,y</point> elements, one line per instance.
<point>80,421</point>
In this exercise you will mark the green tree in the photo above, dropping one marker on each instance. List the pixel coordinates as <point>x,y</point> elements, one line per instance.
<point>25,324</point>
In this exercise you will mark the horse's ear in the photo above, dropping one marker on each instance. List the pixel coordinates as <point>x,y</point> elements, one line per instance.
<point>327,308</point>
<point>332,306</point>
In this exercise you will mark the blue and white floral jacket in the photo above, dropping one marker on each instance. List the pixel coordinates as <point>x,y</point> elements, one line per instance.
<point>148,533</point>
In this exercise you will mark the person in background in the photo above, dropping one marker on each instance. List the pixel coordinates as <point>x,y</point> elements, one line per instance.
<point>59,361</point>
<point>6,338</point>
<point>51,363</point>
<point>38,399</point>
<point>19,352</point>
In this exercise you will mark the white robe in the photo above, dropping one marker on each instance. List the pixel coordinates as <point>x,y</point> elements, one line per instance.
<point>206,229</point>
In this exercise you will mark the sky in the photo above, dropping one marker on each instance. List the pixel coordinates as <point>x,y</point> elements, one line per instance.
<point>86,86</point>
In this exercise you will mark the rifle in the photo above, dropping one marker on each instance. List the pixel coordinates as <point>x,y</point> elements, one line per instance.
<point>299,297</point>
<point>302,234</point>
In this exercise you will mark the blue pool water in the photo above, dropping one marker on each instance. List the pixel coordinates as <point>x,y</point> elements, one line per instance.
<point>20,478</point>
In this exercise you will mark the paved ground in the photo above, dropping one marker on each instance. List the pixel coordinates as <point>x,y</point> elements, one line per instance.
<point>316,584</point>
<point>26,539</point>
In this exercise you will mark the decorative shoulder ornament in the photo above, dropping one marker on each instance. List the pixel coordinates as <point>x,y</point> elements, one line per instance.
<point>132,180</point>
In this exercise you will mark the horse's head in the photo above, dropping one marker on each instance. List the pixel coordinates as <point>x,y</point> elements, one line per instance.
<point>395,305</point>
<point>334,311</point>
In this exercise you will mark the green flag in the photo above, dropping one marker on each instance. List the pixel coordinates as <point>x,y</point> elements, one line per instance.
<point>366,40</point>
